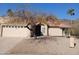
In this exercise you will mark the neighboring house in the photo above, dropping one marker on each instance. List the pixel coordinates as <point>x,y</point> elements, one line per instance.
<point>22,28</point>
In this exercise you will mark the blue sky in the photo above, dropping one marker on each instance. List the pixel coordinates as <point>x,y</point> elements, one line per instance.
<point>57,9</point>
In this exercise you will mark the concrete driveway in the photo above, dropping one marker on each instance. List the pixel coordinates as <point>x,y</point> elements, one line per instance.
<point>8,43</point>
<point>50,45</point>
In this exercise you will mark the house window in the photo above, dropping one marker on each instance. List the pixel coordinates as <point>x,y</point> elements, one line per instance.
<point>3,26</point>
<point>9,26</point>
<point>25,26</point>
<point>15,26</point>
<point>43,29</point>
<point>18,26</point>
<point>12,26</point>
<point>21,26</point>
<point>6,25</point>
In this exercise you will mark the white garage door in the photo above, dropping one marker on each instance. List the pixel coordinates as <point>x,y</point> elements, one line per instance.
<point>16,32</point>
<point>55,32</point>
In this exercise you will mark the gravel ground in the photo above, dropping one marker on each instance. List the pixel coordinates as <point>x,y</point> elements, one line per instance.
<point>44,45</point>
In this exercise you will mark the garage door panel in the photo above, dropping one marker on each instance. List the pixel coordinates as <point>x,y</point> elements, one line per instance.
<point>55,32</point>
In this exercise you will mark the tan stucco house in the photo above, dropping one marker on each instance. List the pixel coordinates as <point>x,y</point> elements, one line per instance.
<point>11,27</point>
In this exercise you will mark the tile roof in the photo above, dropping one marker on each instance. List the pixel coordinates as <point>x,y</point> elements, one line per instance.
<point>59,24</point>
<point>20,20</point>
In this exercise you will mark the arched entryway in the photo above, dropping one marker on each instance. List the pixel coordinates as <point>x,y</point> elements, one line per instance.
<point>38,30</point>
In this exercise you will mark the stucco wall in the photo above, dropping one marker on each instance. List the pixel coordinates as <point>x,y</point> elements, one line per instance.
<point>16,32</point>
<point>55,32</point>
<point>25,32</point>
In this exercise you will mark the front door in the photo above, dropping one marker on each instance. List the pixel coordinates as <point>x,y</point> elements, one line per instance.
<point>38,30</point>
